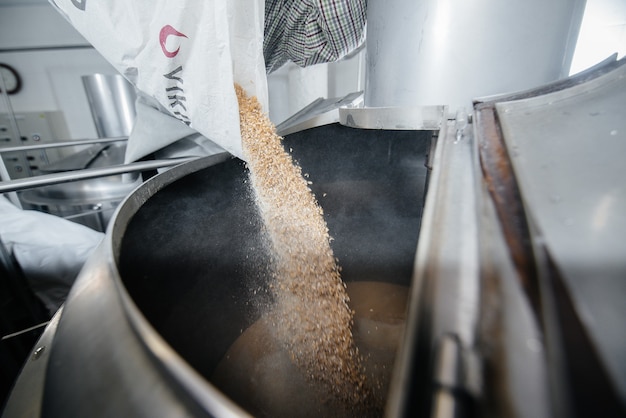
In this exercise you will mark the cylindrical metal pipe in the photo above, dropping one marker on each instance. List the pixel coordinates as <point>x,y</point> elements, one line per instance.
<point>112,102</point>
<point>446,52</point>
<point>62,144</point>
<point>391,59</point>
<point>88,173</point>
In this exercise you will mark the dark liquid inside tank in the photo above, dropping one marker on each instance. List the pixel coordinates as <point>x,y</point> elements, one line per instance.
<point>193,257</point>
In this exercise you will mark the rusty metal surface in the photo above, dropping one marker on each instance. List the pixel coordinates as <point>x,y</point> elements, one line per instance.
<point>503,189</point>
<point>552,161</point>
<point>566,149</point>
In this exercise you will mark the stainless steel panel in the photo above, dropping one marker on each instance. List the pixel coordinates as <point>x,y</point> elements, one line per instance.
<point>393,118</point>
<point>318,113</point>
<point>567,149</point>
<point>446,280</point>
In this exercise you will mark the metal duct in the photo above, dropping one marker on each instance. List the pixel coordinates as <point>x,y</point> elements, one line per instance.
<point>112,102</point>
<point>445,52</point>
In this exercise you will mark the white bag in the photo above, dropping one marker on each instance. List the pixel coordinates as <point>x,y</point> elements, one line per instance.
<point>50,250</point>
<point>186,54</point>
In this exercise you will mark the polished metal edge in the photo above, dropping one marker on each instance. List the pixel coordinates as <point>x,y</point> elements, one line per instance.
<point>349,111</point>
<point>86,174</point>
<point>326,118</point>
<point>445,288</point>
<point>320,112</point>
<point>131,204</point>
<point>26,396</point>
<point>210,398</point>
<point>422,118</point>
<point>205,394</point>
<point>601,68</point>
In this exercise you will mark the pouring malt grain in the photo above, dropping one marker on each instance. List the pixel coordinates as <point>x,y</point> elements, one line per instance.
<point>310,316</point>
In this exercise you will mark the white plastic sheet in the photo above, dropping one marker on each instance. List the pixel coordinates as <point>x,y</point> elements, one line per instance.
<point>185,54</point>
<point>50,250</point>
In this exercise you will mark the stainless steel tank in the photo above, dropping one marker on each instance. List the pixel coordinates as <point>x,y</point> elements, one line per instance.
<point>502,319</point>
<point>172,285</point>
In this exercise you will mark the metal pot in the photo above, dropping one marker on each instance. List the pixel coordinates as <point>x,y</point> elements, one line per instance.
<point>169,289</point>
<point>88,202</point>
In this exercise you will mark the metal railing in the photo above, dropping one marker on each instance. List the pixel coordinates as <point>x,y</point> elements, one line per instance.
<point>8,185</point>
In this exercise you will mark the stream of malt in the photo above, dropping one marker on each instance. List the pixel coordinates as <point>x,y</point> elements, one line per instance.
<point>310,316</point>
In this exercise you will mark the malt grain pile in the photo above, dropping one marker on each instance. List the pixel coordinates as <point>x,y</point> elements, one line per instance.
<point>310,316</point>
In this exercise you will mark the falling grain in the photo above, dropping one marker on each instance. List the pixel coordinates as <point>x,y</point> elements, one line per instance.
<point>311,313</point>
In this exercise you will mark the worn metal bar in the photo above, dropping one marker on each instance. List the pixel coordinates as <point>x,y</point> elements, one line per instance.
<point>89,173</point>
<point>61,144</point>
<point>445,295</point>
<point>393,118</point>
<point>24,331</point>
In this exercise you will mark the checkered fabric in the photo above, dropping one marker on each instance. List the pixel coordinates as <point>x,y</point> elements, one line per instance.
<point>309,32</point>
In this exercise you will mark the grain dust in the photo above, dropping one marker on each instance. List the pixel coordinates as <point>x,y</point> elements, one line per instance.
<point>311,316</point>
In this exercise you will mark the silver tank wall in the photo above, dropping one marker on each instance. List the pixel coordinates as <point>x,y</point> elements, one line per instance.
<point>445,52</point>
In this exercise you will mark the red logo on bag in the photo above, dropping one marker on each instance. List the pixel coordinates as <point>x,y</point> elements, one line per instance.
<point>166,31</point>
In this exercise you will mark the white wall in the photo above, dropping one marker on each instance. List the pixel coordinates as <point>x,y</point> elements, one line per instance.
<point>602,33</point>
<point>25,24</point>
<point>50,57</point>
<point>52,81</point>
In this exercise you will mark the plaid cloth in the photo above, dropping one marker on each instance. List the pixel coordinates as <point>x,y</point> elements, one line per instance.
<point>309,32</point>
